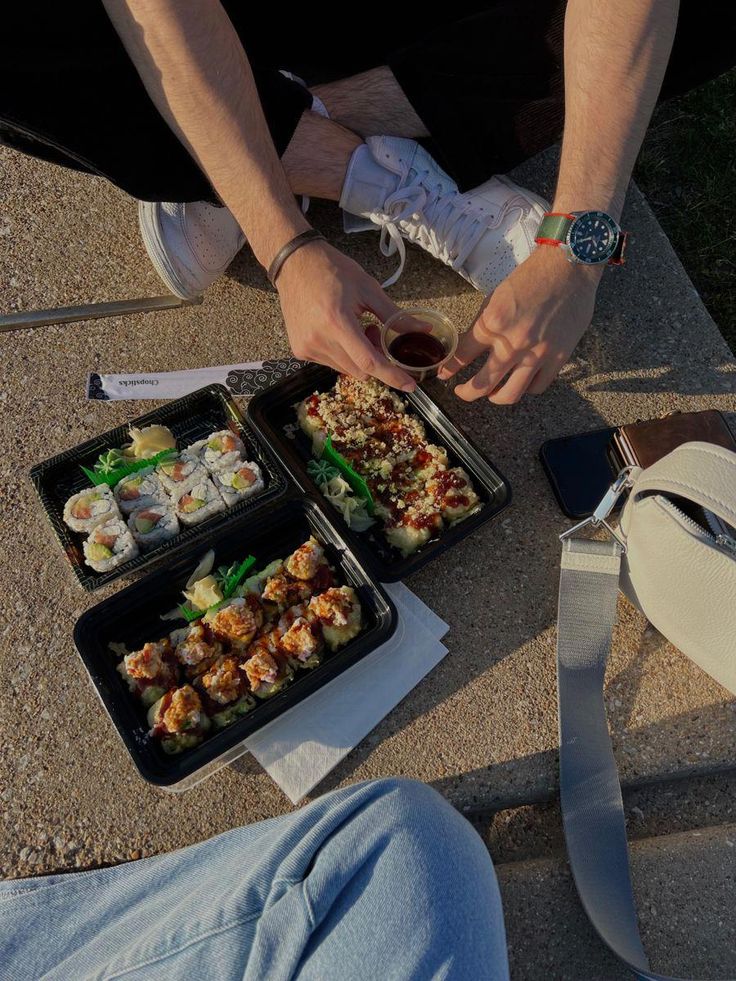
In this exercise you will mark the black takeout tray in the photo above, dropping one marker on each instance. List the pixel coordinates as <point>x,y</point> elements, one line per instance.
<point>273,414</point>
<point>190,418</point>
<point>132,617</point>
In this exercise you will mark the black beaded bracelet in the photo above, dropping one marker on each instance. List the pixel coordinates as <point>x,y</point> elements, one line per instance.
<point>303,238</point>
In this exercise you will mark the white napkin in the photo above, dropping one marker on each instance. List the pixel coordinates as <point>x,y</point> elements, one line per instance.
<point>300,748</point>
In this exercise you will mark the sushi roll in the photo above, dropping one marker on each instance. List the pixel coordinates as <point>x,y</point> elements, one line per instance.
<point>453,493</point>
<point>306,560</point>
<point>140,490</point>
<point>153,526</point>
<point>223,682</point>
<point>284,592</point>
<point>109,546</point>
<point>238,484</point>
<point>339,613</point>
<point>195,646</point>
<point>198,503</point>
<point>180,474</point>
<point>231,713</point>
<point>267,672</point>
<point>178,720</point>
<point>301,636</point>
<point>151,671</point>
<point>89,508</point>
<point>236,622</point>
<point>224,451</point>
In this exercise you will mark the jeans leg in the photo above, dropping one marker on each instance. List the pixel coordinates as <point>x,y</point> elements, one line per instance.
<point>383,879</point>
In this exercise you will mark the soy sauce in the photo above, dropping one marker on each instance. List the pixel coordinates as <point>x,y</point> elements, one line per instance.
<point>417,350</point>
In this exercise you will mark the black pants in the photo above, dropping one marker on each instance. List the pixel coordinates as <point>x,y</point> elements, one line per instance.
<point>487,84</point>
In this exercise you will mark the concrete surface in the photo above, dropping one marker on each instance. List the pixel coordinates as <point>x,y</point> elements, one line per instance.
<point>684,887</point>
<point>482,727</point>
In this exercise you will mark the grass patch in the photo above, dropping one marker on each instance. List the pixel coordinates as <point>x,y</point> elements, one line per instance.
<point>687,169</point>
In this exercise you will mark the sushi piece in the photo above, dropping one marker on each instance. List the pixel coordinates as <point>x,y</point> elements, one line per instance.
<point>153,526</point>
<point>140,490</point>
<point>339,613</point>
<point>223,682</point>
<point>179,475</point>
<point>267,673</point>
<point>236,622</point>
<point>109,546</point>
<point>453,493</point>
<point>178,720</point>
<point>301,636</point>
<point>89,508</point>
<point>306,560</point>
<point>195,451</point>
<point>151,671</point>
<point>284,592</point>
<point>224,451</point>
<point>238,484</point>
<point>195,645</point>
<point>198,503</point>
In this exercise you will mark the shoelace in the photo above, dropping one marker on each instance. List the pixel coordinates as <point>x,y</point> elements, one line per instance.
<point>452,225</point>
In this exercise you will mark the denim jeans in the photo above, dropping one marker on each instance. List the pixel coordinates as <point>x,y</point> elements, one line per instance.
<point>382,880</point>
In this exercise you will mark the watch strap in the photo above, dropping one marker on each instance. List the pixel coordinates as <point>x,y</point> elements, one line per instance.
<point>553,228</point>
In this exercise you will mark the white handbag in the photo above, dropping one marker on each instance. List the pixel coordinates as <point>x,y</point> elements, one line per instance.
<point>674,555</point>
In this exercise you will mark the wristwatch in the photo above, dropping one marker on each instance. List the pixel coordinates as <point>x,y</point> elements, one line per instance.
<point>590,237</point>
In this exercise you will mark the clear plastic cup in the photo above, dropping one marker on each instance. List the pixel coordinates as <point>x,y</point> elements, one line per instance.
<point>419,341</point>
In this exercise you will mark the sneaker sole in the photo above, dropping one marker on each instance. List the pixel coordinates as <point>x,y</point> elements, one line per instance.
<point>149,221</point>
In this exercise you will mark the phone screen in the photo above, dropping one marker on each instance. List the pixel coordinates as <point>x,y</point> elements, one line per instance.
<point>579,470</point>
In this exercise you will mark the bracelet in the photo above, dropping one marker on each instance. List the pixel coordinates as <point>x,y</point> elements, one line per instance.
<point>303,238</point>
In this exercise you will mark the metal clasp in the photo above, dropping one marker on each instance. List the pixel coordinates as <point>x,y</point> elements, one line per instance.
<point>607,504</point>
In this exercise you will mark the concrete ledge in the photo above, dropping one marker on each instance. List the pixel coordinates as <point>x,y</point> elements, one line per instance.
<point>482,727</point>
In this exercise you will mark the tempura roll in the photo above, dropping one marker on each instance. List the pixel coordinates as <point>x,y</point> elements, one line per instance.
<point>89,508</point>
<point>266,667</point>
<point>151,671</point>
<point>178,720</point>
<point>236,622</point>
<point>339,613</point>
<point>109,545</point>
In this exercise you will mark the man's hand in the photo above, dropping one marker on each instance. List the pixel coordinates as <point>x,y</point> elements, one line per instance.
<point>529,326</point>
<point>323,294</point>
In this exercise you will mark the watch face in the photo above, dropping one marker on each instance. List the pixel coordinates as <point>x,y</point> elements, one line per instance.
<point>593,237</point>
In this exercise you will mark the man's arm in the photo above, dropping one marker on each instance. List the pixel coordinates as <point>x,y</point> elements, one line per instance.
<point>615,59</point>
<point>195,70</point>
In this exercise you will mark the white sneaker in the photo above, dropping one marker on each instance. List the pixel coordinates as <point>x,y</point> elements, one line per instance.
<point>483,234</point>
<point>190,245</point>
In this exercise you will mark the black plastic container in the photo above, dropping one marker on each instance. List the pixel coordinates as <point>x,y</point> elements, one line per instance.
<point>190,418</point>
<point>132,617</point>
<point>273,414</point>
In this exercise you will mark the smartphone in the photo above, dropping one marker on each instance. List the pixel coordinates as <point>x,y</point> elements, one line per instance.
<point>579,470</point>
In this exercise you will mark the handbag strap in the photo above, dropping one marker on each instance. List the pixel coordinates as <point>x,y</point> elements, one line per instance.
<point>590,792</point>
